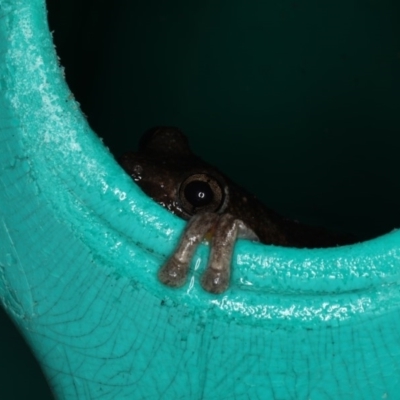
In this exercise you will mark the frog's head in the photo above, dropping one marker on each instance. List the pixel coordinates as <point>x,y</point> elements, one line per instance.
<point>170,173</point>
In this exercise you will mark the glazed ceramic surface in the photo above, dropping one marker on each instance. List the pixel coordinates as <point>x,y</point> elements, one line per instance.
<point>80,246</point>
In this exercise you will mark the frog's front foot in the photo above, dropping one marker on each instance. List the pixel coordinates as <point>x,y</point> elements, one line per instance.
<point>173,273</point>
<point>214,281</point>
<point>226,229</point>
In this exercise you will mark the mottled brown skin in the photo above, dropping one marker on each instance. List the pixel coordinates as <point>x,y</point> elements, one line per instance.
<point>164,160</point>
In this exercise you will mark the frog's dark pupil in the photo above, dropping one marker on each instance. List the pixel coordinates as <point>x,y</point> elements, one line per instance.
<point>198,193</point>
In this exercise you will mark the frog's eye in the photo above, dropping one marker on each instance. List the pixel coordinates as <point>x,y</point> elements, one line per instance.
<point>201,192</point>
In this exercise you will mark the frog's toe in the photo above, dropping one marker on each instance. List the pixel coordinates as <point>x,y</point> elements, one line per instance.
<point>214,281</point>
<point>173,273</point>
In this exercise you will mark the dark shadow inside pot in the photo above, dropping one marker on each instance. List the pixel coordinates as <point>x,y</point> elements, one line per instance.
<point>297,102</point>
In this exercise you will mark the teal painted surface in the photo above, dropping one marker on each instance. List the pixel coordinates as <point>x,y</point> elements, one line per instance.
<point>80,246</point>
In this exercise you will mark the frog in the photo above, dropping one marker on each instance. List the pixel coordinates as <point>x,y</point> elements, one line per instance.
<point>217,209</point>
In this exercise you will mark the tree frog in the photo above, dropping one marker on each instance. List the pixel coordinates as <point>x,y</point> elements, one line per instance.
<point>217,209</point>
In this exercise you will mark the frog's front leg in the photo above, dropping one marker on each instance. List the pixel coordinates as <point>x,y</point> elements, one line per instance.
<point>174,272</point>
<point>217,275</point>
<point>226,229</point>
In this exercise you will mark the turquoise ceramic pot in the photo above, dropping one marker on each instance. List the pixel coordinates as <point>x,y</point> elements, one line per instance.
<point>80,246</point>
